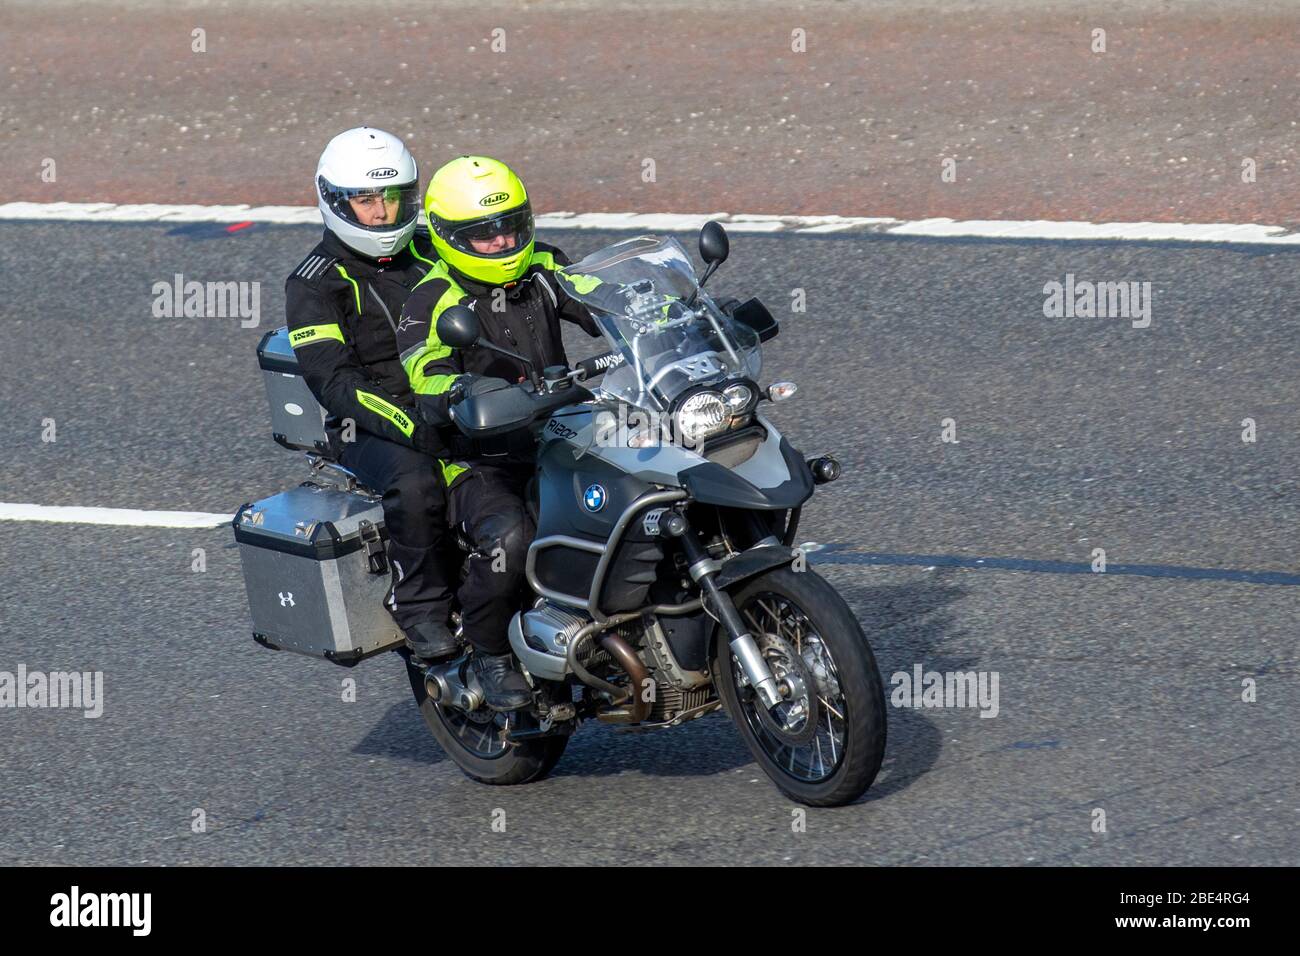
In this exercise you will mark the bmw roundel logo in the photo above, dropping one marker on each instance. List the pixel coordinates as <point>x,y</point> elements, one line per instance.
<point>593,499</point>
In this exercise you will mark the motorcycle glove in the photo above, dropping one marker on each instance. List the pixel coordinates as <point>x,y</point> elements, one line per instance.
<point>435,409</point>
<point>481,384</point>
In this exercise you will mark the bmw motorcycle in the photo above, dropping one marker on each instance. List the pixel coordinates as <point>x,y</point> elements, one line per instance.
<point>663,582</point>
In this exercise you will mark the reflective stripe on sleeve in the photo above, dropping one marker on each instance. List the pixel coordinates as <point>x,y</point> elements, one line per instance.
<point>315,333</point>
<point>400,420</point>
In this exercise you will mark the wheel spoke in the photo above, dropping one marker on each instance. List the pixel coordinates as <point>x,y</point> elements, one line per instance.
<point>480,737</point>
<point>798,636</point>
<point>830,707</point>
<point>775,616</point>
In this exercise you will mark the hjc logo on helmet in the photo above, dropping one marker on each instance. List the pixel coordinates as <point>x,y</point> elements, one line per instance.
<point>494,200</point>
<point>384,172</point>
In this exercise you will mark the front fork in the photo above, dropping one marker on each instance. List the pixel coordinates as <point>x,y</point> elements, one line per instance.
<point>703,570</point>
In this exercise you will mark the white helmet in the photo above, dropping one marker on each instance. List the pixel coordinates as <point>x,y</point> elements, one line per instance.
<point>370,163</point>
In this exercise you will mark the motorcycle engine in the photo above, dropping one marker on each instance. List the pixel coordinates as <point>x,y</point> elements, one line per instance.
<point>677,689</point>
<point>547,629</point>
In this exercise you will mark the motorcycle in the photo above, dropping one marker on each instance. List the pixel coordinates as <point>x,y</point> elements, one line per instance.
<point>663,581</point>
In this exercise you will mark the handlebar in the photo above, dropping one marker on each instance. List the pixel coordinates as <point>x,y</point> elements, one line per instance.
<point>508,409</point>
<point>600,364</point>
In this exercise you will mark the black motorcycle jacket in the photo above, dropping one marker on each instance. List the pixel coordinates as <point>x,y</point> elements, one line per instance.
<point>523,317</point>
<point>343,310</point>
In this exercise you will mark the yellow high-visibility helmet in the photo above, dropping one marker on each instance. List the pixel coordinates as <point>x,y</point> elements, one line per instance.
<point>480,220</point>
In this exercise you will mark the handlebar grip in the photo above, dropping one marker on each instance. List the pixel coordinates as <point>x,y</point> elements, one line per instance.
<point>600,364</point>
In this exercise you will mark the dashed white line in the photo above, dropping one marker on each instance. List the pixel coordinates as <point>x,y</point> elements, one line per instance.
<point>129,517</point>
<point>675,222</point>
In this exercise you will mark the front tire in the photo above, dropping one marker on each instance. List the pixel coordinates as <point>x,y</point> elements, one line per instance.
<point>823,747</point>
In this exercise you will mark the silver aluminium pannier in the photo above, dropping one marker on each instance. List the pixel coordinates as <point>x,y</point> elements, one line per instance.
<point>316,572</point>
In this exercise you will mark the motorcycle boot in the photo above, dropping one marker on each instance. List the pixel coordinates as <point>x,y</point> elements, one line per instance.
<point>430,640</point>
<point>504,688</point>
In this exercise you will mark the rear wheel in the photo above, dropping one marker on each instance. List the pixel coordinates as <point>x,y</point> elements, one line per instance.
<point>823,744</point>
<point>476,741</point>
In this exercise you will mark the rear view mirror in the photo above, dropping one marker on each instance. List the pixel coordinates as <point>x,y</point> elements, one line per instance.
<point>458,327</point>
<point>714,245</point>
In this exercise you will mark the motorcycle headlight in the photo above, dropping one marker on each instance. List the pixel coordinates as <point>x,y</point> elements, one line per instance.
<point>702,416</point>
<point>737,397</point>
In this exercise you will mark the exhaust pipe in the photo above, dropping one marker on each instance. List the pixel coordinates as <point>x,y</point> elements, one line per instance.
<point>639,708</point>
<point>621,651</point>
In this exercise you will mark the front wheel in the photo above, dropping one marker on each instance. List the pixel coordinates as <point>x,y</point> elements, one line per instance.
<point>823,744</point>
<point>476,741</point>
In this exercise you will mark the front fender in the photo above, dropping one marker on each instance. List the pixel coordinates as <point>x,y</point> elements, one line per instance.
<point>754,561</point>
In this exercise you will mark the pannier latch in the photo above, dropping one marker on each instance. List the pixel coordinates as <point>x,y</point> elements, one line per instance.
<point>374,545</point>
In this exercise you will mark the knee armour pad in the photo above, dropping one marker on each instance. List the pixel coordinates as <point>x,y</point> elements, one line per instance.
<point>508,531</point>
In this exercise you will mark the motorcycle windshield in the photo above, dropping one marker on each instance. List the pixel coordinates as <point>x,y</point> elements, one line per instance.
<point>638,291</point>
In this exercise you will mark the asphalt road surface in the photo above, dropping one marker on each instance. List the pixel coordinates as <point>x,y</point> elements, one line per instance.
<point>1118,691</point>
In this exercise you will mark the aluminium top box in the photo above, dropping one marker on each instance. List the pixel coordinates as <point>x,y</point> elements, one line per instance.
<point>316,572</point>
<point>297,419</point>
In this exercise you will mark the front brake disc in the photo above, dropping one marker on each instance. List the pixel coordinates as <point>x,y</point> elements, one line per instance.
<point>792,729</point>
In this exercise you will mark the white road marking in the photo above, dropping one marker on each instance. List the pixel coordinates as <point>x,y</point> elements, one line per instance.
<point>736,222</point>
<point>129,517</point>
<point>150,212</point>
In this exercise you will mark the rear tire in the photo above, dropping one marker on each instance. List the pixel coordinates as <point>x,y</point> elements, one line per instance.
<point>820,629</point>
<point>523,762</point>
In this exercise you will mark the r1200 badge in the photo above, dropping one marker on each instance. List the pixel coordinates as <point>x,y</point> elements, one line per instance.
<point>564,431</point>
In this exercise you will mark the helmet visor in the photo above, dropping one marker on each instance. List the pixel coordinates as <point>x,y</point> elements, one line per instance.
<point>377,209</point>
<point>492,237</point>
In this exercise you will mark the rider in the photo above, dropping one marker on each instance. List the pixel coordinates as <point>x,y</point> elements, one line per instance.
<point>482,227</point>
<point>342,302</point>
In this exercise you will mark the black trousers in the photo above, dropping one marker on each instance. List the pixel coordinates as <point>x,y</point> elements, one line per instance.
<point>415,515</point>
<point>489,500</point>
